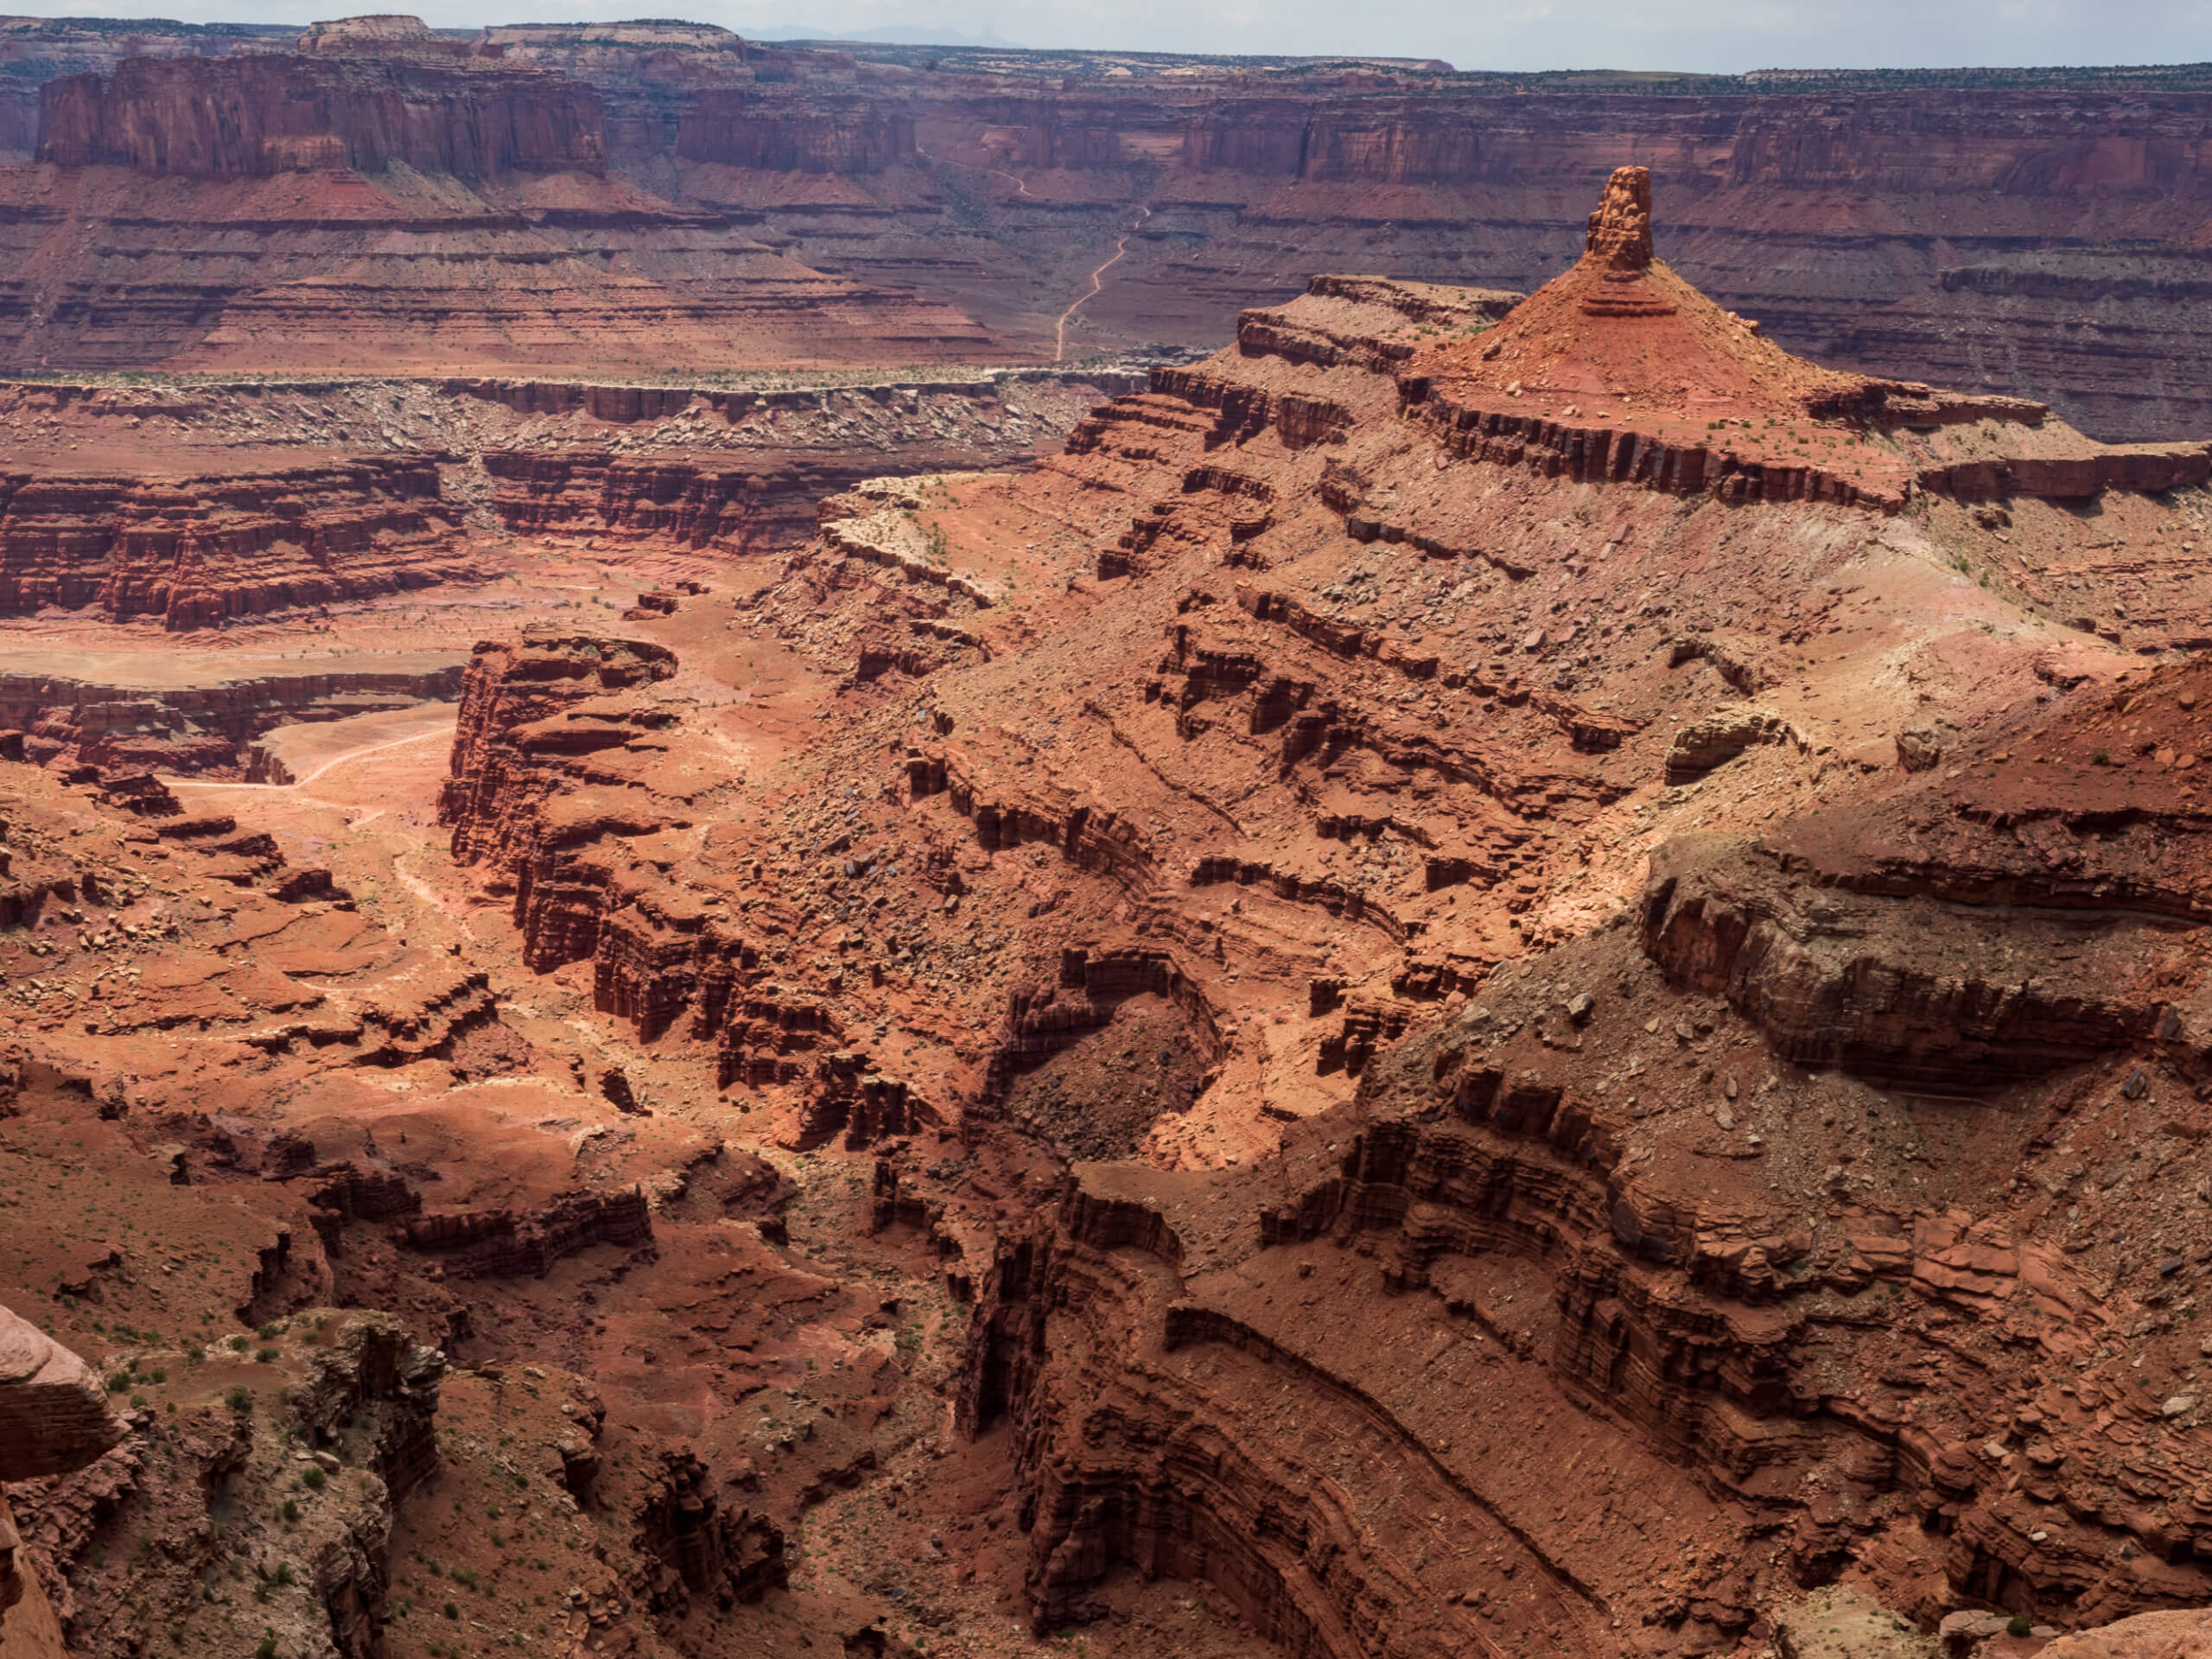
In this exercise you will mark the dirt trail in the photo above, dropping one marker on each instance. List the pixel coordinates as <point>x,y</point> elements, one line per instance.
<point>1098,282</point>
<point>445,732</point>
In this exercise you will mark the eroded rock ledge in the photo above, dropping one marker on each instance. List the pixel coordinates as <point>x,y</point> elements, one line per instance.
<point>1520,1220</point>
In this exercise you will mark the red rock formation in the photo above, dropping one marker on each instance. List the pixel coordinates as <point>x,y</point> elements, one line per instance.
<point>251,116</point>
<point>745,507</point>
<point>689,1545</point>
<point>53,1414</point>
<point>1647,1038</point>
<point>764,495</point>
<point>194,1055</point>
<point>2033,235</point>
<point>500,1244</point>
<point>198,550</point>
<point>1464,184</point>
<point>1701,1321</point>
<point>54,1419</point>
<point>373,1378</point>
<point>506,694</point>
<point>1355,711</point>
<point>842,135</point>
<point>340,239</point>
<point>37,50</point>
<point>2148,1636</point>
<point>207,728</point>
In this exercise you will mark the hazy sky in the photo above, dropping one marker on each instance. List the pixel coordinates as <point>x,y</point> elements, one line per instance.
<point>1725,35</point>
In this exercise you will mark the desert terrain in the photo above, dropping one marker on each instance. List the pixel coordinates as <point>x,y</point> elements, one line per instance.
<point>790,863</point>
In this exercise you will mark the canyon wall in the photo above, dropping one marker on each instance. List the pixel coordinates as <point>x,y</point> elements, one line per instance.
<point>803,447</point>
<point>207,728</point>
<point>1489,973</point>
<point>395,203</point>
<point>1899,229</point>
<point>250,117</point>
<point>199,504</point>
<point>34,51</point>
<point>2040,236</point>
<point>1659,1143</point>
<point>846,135</point>
<point>196,550</point>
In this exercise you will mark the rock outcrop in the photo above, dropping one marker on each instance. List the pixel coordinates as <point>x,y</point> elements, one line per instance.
<point>1705,1323</point>
<point>193,551</point>
<point>793,450</point>
<point>54,1419</point>
<point>501,1245</point>
<point>38,50</point>
<point>360,189</point>
<point>53,1414</point>
<point>691,1546</point>
<point>2148,1636</point>
<point>251,116</point>
<point>209,728</point>
<point>373,1383</point>
<point>1461,181</point>
<point>1757,1179</point>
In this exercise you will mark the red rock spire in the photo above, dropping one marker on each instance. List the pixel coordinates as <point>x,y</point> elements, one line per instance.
<point>1620,230</point>
<point>1619,247</point>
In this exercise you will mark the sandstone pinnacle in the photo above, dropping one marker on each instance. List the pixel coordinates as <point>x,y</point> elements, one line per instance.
<point>1620,230</point>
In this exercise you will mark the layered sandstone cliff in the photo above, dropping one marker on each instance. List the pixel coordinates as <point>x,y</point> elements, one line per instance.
<point>192,551</point>
<point>365,190</point>
<point>206,723</point>
<point>251,116</point>
<point>38,50</point>
<point>2004,211</point>
<point>1491,974</point>
<point>1458,182</point>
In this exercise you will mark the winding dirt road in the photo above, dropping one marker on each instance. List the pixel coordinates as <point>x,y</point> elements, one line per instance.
<point>1098,282</point>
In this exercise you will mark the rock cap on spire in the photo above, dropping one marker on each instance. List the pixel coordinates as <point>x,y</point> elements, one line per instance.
<point>1619,248</point>
<point>1620,230</point>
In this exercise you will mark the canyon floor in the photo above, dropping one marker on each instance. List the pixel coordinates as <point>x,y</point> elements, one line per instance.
<point>1486,974</point>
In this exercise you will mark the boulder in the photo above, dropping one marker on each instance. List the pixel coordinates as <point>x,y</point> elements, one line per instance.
<point>1721,736</point>
<point>53,1414</point>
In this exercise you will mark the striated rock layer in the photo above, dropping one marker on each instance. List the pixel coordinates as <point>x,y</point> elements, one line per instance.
<point>358,208</point>
<point>196,505</point>
<point>269,1268</point>
<point>195,551</point>
<point>605,186</point>
<point>1678,867</point>
<point>54,1414</point>
<point>54,1419</point>
<point>208,727</point>
<point>251,116</point>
